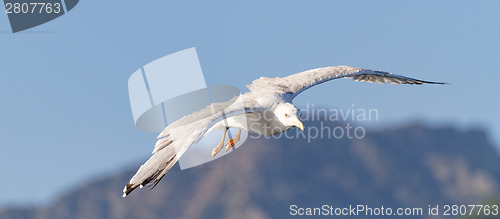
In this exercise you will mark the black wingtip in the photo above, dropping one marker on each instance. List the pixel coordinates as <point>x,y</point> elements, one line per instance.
<point>444,83</point>
<point>430,82</point>
<point>128,189</point>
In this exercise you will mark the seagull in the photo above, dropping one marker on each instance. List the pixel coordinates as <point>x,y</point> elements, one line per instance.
<point>266,109</point>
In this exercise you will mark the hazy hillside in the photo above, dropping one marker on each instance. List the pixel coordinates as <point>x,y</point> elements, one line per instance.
<point>412,166</point>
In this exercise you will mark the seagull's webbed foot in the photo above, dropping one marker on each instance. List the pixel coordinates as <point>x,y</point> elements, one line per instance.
<point>233,141</point>
<point>221,143</point>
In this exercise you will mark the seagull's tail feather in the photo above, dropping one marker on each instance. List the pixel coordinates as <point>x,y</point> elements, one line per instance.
<point>154,168</point>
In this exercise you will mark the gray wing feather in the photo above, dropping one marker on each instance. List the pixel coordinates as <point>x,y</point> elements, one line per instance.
<point>295,84</point>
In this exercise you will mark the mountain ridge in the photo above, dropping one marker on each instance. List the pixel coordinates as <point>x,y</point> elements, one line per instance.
<point>410,166</point>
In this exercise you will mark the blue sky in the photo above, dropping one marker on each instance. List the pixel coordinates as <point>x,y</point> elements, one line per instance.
<point>63,90</point>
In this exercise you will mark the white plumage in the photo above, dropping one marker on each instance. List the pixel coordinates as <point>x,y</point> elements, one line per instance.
<point>268,104</point>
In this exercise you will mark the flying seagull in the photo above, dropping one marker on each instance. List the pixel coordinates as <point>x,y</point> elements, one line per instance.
<point>267,110</point>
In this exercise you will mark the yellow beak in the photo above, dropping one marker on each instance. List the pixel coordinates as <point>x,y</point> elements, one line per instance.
<point>299,125</point>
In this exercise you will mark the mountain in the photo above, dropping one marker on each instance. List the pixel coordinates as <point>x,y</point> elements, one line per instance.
<point>412,166</point>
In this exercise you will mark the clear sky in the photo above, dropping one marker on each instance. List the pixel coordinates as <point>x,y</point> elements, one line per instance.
<point>64,102</point>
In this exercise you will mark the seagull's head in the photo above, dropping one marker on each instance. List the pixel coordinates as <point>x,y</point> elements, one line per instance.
<point>287,115</point>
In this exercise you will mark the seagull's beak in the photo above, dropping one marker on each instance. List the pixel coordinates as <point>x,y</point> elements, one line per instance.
<point>299,124</point>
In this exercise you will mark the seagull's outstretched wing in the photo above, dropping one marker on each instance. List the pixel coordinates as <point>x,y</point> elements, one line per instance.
<point>175,139</point>
<point>295,84</point>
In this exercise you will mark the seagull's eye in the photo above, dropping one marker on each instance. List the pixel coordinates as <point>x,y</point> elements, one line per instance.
<point>286,115</point>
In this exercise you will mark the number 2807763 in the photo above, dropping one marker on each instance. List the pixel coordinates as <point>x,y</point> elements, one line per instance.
<point>32,8</point>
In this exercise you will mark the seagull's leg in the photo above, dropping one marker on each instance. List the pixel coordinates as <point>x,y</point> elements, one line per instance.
<point>233,141</point>
<point>221,143</point>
